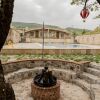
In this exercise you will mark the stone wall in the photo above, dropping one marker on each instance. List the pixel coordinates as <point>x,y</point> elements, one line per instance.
<point>47,40</point>
<point>63,64</point>
<point>14,36</point>
<point>89,39</point>
<point>28,68</point>
<point>50,51</point>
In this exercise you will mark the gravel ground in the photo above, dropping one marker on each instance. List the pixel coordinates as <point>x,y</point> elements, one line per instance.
<point>68,91</point>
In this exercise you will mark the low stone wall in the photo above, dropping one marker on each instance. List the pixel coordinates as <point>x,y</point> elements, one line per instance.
<point>93,39</point>
<point>94,65</point>
<point>31,73</point>
<point>50,51</point>
<point>77,67</point>
<point>28,68</point>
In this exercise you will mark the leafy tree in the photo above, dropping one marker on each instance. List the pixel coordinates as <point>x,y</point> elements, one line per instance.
<point>94,6</point>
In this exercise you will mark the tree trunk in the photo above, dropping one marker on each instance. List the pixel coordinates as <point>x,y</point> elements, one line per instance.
<point>6,12</point>
<point>2,84</point>
<point>98,1</point>
<point>6,90</point>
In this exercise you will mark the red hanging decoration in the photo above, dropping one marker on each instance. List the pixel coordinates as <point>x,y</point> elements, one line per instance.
<point>84,13</point>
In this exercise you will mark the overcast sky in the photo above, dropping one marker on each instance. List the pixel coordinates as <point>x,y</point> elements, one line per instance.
<point>52,12</point>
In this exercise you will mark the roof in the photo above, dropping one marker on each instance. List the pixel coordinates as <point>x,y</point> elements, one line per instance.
<point>50,28</point>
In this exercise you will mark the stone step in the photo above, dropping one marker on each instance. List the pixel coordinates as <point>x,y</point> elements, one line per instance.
<point>96,89</point>
<point>82,83</point>
<point>93,71</point>
<point>21,70</point>
<point>97,96</point>
<point>28,73</point>
<point>95,65</point>
<point>86,87</point>
<point>38,68</point>
<point>21,74</point>
<point>90,78</point>
<point>93,90</point>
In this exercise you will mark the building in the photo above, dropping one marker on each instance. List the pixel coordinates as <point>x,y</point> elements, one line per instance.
<point>35,35</point>
<point>53,35</point>
<point>14,35</point>
<point>90,38</point>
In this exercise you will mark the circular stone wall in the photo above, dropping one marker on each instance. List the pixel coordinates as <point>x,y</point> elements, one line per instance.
<point>68,91</point>
<point>19,74</point>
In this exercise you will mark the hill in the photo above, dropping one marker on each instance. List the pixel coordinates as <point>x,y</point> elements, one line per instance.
<point>77,31</point>
<point>96,31</point>
<point>30,25</point>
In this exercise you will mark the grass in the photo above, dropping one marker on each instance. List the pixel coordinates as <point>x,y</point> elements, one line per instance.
<point>4,58</point>
<point>92,58</point>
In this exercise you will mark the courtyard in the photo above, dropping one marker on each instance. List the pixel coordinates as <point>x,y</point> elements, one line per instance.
<point>49,50</point>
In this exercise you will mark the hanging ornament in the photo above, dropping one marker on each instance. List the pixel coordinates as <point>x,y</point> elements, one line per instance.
<point>84,13</point>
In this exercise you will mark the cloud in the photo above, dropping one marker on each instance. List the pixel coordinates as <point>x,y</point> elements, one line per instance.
<point>54,12</point>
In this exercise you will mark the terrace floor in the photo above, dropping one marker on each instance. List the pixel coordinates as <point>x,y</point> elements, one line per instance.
<point>68,91</point>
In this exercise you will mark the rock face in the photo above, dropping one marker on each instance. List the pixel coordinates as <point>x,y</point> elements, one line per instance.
<point>6,91</point>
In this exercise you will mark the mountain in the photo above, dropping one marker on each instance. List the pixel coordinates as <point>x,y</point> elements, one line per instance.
<point>77,31</point>
<point>96,31</point>
<point>30,25</point>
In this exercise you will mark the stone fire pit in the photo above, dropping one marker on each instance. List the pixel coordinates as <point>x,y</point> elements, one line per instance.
<point>49,93</point>
<point>45,86</point>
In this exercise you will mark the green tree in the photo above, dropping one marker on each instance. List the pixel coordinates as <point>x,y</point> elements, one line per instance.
<point>94,6</point>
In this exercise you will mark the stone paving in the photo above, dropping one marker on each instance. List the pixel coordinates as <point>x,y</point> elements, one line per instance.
<point>68,91</point>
